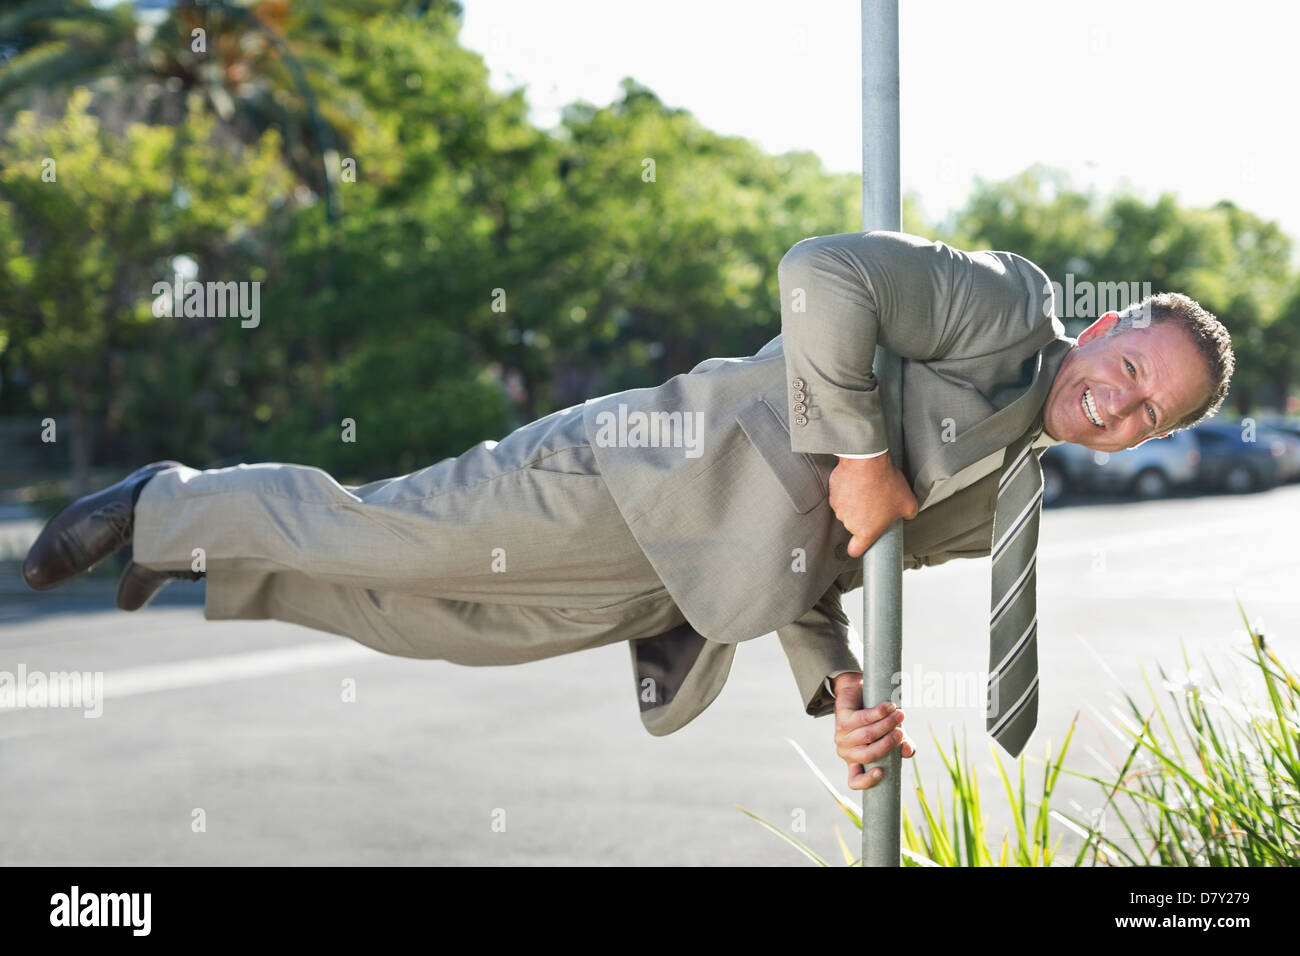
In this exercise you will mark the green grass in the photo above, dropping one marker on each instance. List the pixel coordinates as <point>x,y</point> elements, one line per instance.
<point>1204,780</point>
<point>1208,780</point>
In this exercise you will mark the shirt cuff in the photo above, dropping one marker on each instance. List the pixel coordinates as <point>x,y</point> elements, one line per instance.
<point>875,455</point>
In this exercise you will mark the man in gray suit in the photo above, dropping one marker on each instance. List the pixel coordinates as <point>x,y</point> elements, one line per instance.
<point>727,503</point>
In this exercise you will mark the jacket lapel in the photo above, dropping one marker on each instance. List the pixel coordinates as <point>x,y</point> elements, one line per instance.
<point>998,430</point>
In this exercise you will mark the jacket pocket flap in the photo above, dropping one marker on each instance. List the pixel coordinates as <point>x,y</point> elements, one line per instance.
<point>769,435</point>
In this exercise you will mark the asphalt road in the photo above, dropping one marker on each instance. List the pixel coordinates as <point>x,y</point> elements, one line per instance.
<point>233,742</point>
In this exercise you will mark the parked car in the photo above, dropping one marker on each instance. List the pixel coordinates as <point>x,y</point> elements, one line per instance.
<point>1282,423</point>
<point>1151,470</point>
<point>1288,432</point>
<point>1230,463</point>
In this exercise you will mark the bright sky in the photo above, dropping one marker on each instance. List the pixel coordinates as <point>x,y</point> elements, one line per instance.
<point>1188,96</point>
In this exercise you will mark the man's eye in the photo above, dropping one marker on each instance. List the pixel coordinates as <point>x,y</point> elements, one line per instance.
<point>1151,412</point>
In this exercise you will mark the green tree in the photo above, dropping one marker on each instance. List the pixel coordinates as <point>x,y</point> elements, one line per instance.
<point>1233,262</point>
<point>89,221</point>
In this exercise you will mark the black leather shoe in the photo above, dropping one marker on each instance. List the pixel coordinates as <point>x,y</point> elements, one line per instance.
<point>87,531</point>
<point>139,584</point>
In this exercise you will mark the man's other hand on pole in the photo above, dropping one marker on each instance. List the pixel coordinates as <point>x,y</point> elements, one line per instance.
<point>863,737</point>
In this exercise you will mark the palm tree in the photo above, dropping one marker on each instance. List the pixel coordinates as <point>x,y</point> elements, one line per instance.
<point>152,60</point>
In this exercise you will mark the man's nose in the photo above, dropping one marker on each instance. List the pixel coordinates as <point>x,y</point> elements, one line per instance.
<point>1128,400</point>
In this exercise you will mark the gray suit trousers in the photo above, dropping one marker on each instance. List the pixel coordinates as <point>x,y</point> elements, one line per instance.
<point>511,552</point>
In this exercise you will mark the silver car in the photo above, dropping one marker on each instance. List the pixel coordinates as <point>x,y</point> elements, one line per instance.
<point>1151,470</point>
<point>1286,431</point>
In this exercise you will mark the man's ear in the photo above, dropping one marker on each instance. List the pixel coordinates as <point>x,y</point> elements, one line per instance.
<point>1100,327</point>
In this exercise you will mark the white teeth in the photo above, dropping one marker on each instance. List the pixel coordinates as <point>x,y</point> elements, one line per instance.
<point>1090,408</point>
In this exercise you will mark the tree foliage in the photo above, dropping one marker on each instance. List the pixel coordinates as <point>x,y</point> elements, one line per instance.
<point>433,267</point>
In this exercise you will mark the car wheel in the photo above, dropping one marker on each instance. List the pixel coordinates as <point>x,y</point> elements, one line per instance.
<point>1053,483</point>
<point>1151,483</point>
<point>1239,479</point>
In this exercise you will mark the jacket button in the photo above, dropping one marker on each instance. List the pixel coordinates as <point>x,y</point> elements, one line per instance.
<point>800,407</point>
<point>799,396</point>
<point>800,420</point>
<point>798,384</point>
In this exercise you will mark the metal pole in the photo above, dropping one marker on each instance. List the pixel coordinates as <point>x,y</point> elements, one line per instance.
<point>882,565</point>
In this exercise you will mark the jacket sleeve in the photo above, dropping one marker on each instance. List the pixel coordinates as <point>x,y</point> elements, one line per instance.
<point>843,295</point>
<point>817,647</point>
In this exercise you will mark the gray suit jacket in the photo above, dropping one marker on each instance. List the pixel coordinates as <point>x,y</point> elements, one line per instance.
<point>739,526</point>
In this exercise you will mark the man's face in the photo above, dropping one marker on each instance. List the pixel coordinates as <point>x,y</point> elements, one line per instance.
<point>1128,377</point>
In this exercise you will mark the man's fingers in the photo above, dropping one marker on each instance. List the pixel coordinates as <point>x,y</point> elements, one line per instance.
<point>862,540</point>
<point>876,750</point>
<point>863,737</point>
<point>863,780</point>
<point>858,545</point>
<point>909,506</point>
<point>848,703</point>
<point>870,732</point>
<point>849,714</point>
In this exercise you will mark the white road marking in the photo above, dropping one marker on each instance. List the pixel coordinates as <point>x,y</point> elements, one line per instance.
<point>205,671</point>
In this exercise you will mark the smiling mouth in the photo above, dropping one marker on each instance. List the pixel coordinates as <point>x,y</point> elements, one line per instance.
<point>1089,406</point>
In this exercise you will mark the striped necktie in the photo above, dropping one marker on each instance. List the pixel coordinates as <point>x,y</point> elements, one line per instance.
<point>1013,614</point>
